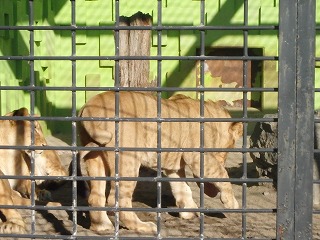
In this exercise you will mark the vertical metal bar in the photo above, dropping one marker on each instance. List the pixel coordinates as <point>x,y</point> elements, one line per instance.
<point>117,110</point>
<point>296,105</point>
<point>159,76</point>
<point>245,115</point>
<point>305,119</point>
<point>202,53</point>
<point>286,119</point>
<point>74,127</point>
<point>32,104</point>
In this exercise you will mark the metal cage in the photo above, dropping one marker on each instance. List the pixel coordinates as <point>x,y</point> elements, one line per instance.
<point>291,215</point>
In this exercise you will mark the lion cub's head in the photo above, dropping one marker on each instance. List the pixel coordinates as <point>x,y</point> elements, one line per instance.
<point>47,162</point>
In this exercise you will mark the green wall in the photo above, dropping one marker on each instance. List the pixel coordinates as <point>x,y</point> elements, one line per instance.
<point>101,43</point>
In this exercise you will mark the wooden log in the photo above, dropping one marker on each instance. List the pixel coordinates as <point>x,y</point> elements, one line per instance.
<point>135,73</point>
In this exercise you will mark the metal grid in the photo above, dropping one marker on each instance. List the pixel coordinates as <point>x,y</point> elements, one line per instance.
<point>296,83</point>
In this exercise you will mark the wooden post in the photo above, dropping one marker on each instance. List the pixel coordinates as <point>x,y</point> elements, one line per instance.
<point>135,73</point>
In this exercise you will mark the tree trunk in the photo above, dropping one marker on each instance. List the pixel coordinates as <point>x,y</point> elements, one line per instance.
<point>135,73</point>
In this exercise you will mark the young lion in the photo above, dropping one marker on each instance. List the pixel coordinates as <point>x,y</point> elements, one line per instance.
<point>16,162</point>
<point>144,134</point>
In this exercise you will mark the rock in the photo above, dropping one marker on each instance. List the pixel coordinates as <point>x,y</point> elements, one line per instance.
<point>265,135</point>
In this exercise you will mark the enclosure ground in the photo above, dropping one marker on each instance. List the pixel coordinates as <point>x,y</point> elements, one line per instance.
<point>216,225</point>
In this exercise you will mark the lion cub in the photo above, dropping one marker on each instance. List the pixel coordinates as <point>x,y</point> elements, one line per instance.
<point>17,162</point>
<point>143,134</point>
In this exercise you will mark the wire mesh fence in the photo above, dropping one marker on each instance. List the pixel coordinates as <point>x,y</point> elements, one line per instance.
<point>128,145</point>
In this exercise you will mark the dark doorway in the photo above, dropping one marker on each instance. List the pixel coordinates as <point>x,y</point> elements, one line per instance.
<point>230,73</point>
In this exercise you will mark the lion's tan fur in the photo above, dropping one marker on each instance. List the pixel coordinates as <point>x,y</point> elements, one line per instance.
<point>17,162</point>
<point>177,133</point>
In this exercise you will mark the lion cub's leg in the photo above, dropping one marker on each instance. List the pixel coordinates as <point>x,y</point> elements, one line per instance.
<point>100,222</point>
<point>214,169</point>
<point>129,168</point>
<point>182,193</point>
<point>13,222</point>
<point>24,188</point>
<point>226,192</point>
<point>130,219</point>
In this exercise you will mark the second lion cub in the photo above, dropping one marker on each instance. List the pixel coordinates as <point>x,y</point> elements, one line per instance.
<point>143,134</point>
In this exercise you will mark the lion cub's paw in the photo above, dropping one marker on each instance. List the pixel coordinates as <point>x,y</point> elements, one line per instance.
<point>102,229</point>
<point>188,215</point>
<point>12,227</point>
<point>229,202</point>
<point>147,227</point>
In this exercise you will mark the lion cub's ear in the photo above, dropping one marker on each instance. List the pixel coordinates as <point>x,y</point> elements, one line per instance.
<point>236,129</point>
<point>19,112</point>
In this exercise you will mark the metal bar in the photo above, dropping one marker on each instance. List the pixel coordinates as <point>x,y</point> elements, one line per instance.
<point>201,102</point>
<point>141,119</point>
<point>109,238</point>
<point>305,119</point>
<point>154,28</point>
<point>32,108</point>
<point>153,89</point>
<point>245,115</point>
<point>159,76</point>
<point>118,57</point>
<point>117,114</point>
<point>295,146</point>
<point>286,119</point>
<point>143,179</point>
<point>74,127</point>
<point>140,149</point>
<point>140,209</point>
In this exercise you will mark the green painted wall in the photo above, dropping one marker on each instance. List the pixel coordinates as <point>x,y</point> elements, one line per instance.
<point>101,43</point>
